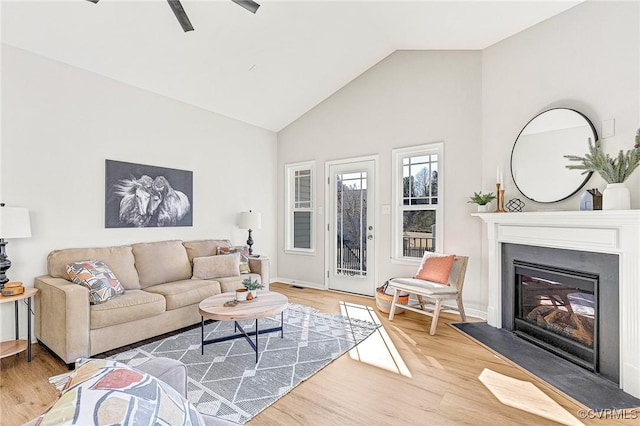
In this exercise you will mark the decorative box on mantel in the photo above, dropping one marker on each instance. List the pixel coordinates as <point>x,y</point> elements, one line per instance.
<point>604,231</point>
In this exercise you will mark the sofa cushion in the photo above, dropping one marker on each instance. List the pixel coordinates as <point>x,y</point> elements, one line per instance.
<point>232,283</point>
<point>205,268</point>
<point>200,248</point>
<point>132,305</point>
<point>161,262</point>
<point>120,260</point>
<point>186,292</point>
<point>102,391</point>
<point>97,277</point>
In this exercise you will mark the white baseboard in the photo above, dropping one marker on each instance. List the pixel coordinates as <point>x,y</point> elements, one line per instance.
<point>475,313</point>
<point>299,283</point>
<point>471,312</point>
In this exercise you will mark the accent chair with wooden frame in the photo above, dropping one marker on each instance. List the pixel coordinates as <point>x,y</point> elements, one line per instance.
<point>434,293</point>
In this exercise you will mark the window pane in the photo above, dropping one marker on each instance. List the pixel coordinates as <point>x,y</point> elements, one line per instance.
<point>351,223</point>
<point>302,188</point>
<point>406,182</point>
<point>420,180</point>
<point>302,230</point>
<point>419,160</point>
<point>434,181</point>
<point>418,232</point>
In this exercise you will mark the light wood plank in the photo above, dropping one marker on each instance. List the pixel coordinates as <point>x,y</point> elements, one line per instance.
<point>12,347</point>
<point>444,388</point>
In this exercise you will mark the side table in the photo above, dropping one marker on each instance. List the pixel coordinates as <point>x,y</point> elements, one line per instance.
<point>12,347</point>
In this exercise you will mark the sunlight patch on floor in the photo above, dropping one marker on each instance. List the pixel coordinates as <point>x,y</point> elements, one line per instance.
<point>434,362</point>
<point>526,396</point>
<point>378,349</point>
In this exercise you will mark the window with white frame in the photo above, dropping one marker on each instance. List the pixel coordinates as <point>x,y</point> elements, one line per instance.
<point>417,196</point>
<point>300,236</point>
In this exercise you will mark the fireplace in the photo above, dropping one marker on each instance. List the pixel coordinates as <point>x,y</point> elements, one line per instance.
<point>612,233</point>
<point>557,309</point>
<point>565,301</point>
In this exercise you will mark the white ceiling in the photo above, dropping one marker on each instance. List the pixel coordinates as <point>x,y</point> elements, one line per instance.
<point>265,69</point>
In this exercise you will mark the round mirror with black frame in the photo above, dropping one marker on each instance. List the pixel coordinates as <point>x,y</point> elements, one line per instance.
<point>538,165</point>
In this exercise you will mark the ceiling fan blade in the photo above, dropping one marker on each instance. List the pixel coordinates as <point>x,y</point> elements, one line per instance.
<point>250,5</point>
<point>178,10</point>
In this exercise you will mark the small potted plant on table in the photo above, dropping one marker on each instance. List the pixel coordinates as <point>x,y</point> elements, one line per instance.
<point>252,286</point>
<point>482,200</point>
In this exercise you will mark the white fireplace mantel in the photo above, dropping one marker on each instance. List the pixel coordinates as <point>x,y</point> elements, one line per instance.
<point>603,231</point>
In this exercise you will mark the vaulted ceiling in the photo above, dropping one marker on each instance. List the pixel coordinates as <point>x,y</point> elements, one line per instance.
<point>265,69</point>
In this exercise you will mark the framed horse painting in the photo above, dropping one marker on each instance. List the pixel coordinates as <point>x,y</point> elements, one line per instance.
<point>137,196</point>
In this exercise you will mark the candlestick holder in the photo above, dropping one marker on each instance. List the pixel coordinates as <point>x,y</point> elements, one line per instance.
<point>499,199</point>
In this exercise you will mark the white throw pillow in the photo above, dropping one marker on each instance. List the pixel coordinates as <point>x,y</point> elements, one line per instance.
<point>208,267</point>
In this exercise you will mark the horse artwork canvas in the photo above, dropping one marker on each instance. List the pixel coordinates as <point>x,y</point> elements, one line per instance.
<point>138,195</point>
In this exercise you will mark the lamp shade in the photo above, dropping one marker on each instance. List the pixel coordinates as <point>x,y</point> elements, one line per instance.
<point>249,220</point>
<point>14,222</point>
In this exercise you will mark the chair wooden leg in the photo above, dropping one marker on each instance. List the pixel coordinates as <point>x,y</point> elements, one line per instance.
<point>420,301</point>
<point>392,311</point>
<point>463,316</point>
<point>436,314</point>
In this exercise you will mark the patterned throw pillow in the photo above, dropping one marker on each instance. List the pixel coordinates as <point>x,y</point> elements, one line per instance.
<point>435,267</point>
<point>97,277</point>
<point>244,256</point>
<point>107,392</point>
<point>244,259</point>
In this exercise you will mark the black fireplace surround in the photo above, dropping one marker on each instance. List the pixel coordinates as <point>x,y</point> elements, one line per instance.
<point>548,263</point>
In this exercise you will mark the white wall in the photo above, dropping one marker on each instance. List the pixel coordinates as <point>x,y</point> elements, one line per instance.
<point>409,98</point>
<point>587,59</point>
<point>60,123</point>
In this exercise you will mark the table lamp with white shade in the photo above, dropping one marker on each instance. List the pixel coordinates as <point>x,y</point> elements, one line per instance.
<point>14,223</point>
<point>250,220</point>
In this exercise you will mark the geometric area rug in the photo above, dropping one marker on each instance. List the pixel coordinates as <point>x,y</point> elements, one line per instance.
<point>226,382</point>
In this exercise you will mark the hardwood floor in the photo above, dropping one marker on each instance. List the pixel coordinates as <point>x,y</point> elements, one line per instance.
<point>444,388</point>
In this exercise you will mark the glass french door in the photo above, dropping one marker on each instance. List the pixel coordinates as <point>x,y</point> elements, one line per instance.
<point>351,227</point>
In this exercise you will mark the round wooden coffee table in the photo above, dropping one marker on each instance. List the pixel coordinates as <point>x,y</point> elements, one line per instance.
<point>267,303</point>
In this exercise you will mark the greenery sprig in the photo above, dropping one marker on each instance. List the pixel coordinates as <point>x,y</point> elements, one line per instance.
<point>612,170</point>
<point>250,284</point>
<point>481,199</point>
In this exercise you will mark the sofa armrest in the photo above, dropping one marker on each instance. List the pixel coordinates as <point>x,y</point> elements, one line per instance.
<point>260,266</point>
<point>62,317</point>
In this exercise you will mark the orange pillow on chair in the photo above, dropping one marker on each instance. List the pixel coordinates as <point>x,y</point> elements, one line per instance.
<point>435,267</point>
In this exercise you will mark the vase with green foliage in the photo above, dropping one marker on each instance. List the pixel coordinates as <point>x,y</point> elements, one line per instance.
<point>481,200</point>
<point>252,286</point>
<point>614,170</point>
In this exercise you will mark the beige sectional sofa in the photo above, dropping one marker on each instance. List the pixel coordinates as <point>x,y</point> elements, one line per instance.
<point>160,295</point>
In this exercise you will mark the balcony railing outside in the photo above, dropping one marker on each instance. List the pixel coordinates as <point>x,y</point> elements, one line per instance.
<point>351,260</point>
<point>416,246</point>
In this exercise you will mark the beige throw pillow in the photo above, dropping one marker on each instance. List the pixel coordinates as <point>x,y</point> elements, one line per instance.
<point>208,267</point>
